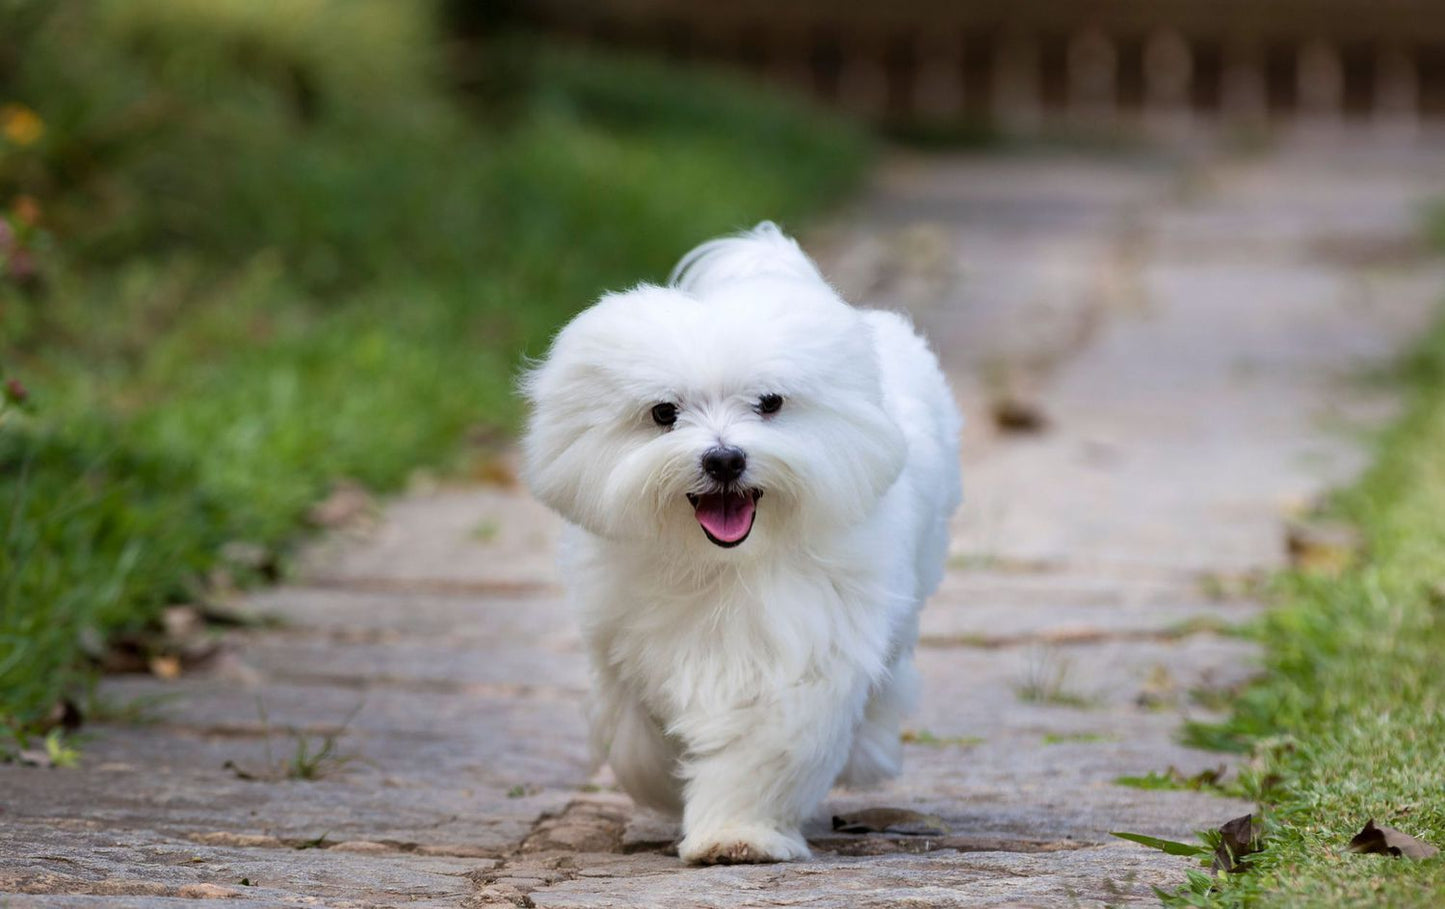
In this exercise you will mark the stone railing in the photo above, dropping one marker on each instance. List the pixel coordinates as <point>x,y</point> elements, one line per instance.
<point>1027,65</point>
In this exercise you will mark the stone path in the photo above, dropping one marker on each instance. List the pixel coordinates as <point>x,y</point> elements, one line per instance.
<point>1192,335</point>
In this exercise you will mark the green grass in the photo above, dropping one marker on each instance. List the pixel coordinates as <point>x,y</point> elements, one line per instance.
<point>1048,678</point>
<point>1348,723</point>
<point>265,251</point>
<point>925,737</point>
<point>1077,738</point>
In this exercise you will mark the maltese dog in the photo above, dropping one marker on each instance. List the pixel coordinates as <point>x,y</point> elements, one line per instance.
<point>757,479</point>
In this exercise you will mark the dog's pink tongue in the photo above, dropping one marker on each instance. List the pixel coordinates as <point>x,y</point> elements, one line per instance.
<point>727,516</point>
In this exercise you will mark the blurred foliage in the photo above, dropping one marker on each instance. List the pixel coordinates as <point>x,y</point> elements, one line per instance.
<point>250,247</point>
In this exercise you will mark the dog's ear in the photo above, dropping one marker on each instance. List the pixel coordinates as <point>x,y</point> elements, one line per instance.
<point>558,396</point>
<point>866,451</point>
<point>579,396</point>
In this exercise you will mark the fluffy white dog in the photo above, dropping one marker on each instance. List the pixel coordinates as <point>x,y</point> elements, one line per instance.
<point>758,479</point>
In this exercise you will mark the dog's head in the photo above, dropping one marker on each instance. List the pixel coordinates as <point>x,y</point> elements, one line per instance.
<point>738,408</point>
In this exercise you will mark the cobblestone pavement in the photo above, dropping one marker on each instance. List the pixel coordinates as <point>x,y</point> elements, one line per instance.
<point>1190,335</point>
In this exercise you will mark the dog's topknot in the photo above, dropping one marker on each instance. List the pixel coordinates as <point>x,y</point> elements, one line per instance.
<point>762,251</point>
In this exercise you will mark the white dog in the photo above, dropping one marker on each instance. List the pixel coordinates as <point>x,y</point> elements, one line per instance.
<point>758,479</point>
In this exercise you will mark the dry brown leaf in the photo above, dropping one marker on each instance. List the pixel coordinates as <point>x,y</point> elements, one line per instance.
<point>165,667</point>
<point>891,820</point>
<point>1238,838</point>
<point>65,715</point>
<point>494,469</point>
<point>125,653</point>
<point>348,504</point>
<point>1323,547</point>
<point>182,622</point>
<point>1389,841</point>
<point>1209,776</point>
<point>241,773</point>
<point>1017,416</point>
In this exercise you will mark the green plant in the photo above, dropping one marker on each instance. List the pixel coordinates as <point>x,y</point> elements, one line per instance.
<point>58,752</point>
<point>924,737</point>
<point>1047,679</point>
<point>312,763</point>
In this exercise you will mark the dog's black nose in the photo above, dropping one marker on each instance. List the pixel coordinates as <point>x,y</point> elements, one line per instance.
<point>724,464</point>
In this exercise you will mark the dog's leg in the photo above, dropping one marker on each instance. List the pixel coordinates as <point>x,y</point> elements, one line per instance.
<point>755,774</point>
<point>644,760</point>
<point>877,753</point>
<point>625,736</point>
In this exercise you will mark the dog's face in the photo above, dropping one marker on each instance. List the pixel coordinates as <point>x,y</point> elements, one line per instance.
<point>727,424</point>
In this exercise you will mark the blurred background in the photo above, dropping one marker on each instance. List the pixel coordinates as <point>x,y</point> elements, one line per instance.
<point>942,70</point>
<point>257,257</point>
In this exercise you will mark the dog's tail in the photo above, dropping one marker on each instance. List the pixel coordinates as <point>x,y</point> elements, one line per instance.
<point>763,251</point>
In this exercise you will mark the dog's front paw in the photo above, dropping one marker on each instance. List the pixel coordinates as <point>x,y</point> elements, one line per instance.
<point>742,845</point>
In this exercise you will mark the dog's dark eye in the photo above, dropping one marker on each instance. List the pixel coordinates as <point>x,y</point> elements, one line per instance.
<point>664,414</point>
<point>770,403</point>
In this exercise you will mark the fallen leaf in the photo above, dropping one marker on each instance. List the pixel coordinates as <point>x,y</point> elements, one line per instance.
<point>229,667</point>
<point>65,715</point>
<point>125,653</point>
<point>182,622</point>
<point>1323,547</point>
<point>1389,841</point>
<point>891,820</point>
<point>197,652</point>
<point>494,469</point>
<point>1210,776</point>
<point>1436,594</point>
<point>179,641</point>
<point>241,774</point>
<point>347,505</point>
<point>1237,838</point>
<point>1017,416</point>
<point>227,616</point>
<point>165,667</point>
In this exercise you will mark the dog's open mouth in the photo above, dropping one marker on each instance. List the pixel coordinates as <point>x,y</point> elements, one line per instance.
<point>726,517</point>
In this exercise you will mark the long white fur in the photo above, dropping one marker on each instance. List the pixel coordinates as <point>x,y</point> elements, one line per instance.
<point>736,686</point>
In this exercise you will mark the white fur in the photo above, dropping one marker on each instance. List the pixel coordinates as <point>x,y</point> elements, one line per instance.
<point>735,686</point>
